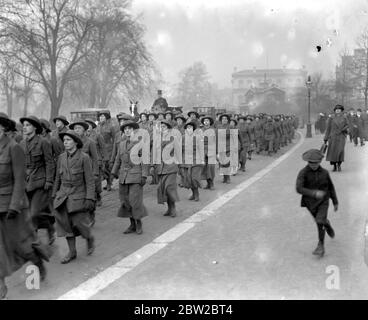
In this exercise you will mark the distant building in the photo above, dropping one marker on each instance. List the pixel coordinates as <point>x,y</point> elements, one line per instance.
<point>350,78</point>
<point>251,86</point>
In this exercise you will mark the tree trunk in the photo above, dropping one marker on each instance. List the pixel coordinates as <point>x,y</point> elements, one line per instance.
<point>9,100</point>
<point>55,107</point>
<point>25,109</point>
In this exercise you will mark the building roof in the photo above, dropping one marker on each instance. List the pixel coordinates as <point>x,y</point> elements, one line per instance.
<point>261,72</point>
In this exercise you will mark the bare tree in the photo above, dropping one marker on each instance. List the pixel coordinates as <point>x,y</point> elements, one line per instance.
<point>7,81</point>
<point>118,59</point>
<point>343,86</point>
<point>194,89</point>
<point>49,37</point>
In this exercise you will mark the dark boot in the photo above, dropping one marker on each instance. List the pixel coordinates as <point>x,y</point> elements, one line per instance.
<point>131,228</point>
<point>72,255</point>
<point>339,166</point>
<point>320,250</point>
<point>98,201</point>
<point>42,269</point>
<point>196,194</point>
<point>90,245</point>
<point>208,186</point>
<point>3,289</point>
<point>167,213</point>
<point>330,231</point>
<point>173,209</point>
<point>227,179</point>
<point>51,234</point>
<point>138,224</point>
<point>211,184</point>
<point>192,197</point>
<point>334,167</point>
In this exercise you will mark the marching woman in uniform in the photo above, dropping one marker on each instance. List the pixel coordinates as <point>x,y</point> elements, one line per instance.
<point>40,173</point>
<point>167,190</point>
<point>337,128</point>
<point>192,166</point>
<point>209,139</point>
<point>18,240</point>
<point>132,177</point>
<point>74,195</point>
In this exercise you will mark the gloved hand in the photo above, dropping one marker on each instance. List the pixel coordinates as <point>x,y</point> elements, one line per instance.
<point>336,207</point>
<point>48,186</point>
<point>12,214</point>
<point>319,194</point>
<point>89,205</point>
<point>152,171</point>
<point>143,181</point>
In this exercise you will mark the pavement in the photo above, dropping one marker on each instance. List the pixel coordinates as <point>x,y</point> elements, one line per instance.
<point>247,240</point>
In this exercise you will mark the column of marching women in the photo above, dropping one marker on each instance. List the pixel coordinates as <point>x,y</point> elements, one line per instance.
<point>52,179</point>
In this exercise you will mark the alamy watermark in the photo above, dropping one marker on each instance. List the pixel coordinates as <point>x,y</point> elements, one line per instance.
<point>333,280</point>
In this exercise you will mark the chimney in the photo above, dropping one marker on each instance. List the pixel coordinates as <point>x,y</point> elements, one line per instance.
<point>235,69</point>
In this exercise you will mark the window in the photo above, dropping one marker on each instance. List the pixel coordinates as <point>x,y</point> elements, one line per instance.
<point>249,81</point>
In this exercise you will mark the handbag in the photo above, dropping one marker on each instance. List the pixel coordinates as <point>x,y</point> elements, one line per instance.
<point>323,148</point>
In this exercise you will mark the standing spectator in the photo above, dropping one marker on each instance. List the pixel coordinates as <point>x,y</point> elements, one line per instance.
<point>337,128</point>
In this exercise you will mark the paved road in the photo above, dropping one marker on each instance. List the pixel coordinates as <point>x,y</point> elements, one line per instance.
<point>256,246</point>
<point>262,243</point>
<point>112,245</point>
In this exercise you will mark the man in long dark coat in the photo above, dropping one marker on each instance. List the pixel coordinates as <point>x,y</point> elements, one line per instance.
<point>337,128</point>
<point>40,173</point>
<point>18,240</point>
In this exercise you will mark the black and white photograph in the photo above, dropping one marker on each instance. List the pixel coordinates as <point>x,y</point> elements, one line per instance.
<point>197,151</point>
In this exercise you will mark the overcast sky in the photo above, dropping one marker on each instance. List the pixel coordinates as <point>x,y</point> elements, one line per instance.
<point>245,33</point>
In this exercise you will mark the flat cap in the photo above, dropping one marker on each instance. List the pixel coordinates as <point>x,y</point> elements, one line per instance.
<point>313,155</point>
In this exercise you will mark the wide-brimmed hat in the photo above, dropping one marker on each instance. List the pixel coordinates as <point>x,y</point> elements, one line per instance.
<point>233,119</point>
<point>170,112</point>
<point>193,111</point>
<point>169,125</point>
<point>225,115</point>
<point>181,117</point>
<point>129,123</point>
<point>209,118</point>
<point>123,116</point>
<point>34,121</point>
<point>70,133</point>
<point>6,122</point>
<point>45,124</point>
<point>192,123</point>
<point>339,106</point>
<point>145,113</point>
<point>313,155</point>
<point>62,119</point>
<point>79,122</point>
<point>104,112</point>
<point>153,114</point>
<point>91,122</point>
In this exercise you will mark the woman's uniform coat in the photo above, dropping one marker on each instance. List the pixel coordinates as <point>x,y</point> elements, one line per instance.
<point>246,141</point>
<point>40,169</point>
<point>193,159</point>
<point>337,128</point>
<point>209,141</point>
<point>74,184</point>
<point>18,240</point>
<point>167,185</point>
<point>130,178</point>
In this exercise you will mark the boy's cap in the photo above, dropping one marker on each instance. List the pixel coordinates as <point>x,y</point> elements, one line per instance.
<point>313,155</point>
